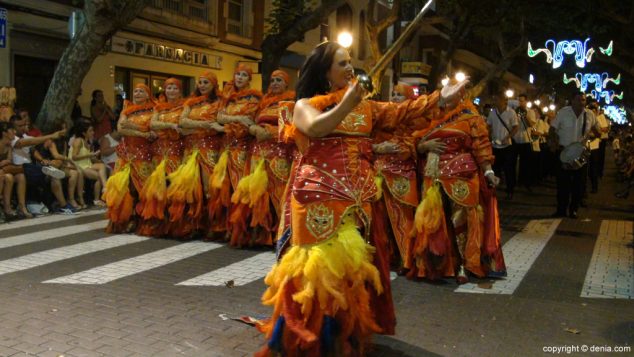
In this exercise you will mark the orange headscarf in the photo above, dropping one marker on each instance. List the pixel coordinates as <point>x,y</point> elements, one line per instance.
<point>244,67</point>
<point>211,77</point>
<point>280,73</point>
<point>405,90</point>
<point>146,89</point>
<point>175,81</point>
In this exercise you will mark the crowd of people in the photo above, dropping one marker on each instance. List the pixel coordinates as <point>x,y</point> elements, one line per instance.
<point>47,173</point>
<point>344,188</point>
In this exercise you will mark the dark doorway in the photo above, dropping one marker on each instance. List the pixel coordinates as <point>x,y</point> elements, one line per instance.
<point>32,76</point>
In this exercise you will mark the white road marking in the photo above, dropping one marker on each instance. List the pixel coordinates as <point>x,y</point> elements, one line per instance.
<point>51,233</point>
<point>610,274</point>
<point>117,270</point>
<point>520,252</point>
<point>49,219</point>
<point>242,272</point>
<point>53,255</point>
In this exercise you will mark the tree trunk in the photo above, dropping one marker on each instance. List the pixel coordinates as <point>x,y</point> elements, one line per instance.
<point>275,45</point>
<point>102,19</point>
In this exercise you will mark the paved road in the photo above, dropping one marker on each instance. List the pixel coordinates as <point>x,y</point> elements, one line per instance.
<point>67,288</point>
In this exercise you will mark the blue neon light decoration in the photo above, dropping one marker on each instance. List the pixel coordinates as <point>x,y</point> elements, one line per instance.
<point>556,51</point>
<point>616,114</point>
<point>600,80</point>
<point>607,95</point>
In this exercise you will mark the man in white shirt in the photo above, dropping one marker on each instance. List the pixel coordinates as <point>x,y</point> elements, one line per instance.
<point>604,127</point>
<point>34,173</point>
<point>573,123</point>
<point>503,125</point>
<point>523,143</point>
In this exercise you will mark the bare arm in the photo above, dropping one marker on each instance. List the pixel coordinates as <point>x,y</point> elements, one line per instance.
<point>313,123</point>
<point>77,143</point>
<point>38,139</point>
<point>105,148</point>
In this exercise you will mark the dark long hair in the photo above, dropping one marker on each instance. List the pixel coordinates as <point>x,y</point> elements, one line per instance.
<point>312,76</point>
<point>81,128</point>
<point>94,94</point>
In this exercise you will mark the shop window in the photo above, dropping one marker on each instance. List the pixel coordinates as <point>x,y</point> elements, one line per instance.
<point>239,17</point>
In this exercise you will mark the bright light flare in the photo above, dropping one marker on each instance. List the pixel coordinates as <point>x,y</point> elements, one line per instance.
<point>552,107</point>
<point>460,76</point>
<point>345,39</point>
<point>509,93</point>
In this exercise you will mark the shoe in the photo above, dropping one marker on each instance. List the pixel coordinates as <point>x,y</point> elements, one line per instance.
<point>558,214</point>
<point>573,214</point>
<point>53,172</point>
<point>66,210</point>
<point>99,203</point>
<point>461,277</point>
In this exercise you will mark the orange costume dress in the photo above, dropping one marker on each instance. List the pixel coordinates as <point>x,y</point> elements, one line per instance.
<point>167,151</point>
<point>201,152</point>
<point>233,164</point>
<point>453,183</point>
<point>331,289</point>
<point>398,182</point>
<point>134,164</point>
<point>259,195</point>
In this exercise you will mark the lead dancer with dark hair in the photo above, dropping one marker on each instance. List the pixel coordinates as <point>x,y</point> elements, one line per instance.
<point>331,289</point>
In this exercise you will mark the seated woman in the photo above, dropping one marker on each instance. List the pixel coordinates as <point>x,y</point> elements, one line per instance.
<point>85,160</point>
<point>10,174</point>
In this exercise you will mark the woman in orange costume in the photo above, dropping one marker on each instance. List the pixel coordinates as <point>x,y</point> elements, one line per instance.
<point>458,181</point>
<point>331,289</point>
<point>395,165</point>
<point>167,151</point>
<point>134,160</point>
<point>264,187</point>
<point>189,185</point>
<point>239,107</point>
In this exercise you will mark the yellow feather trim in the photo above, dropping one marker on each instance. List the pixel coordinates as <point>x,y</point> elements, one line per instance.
<point>330,271</point>
<point>378,181</point>
<point>183,181</point>
<point>259,183</point>
<point>220,170</point>
<point>117,187</point>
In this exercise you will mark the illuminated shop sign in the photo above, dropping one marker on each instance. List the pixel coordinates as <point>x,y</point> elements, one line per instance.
<point>165,53</point>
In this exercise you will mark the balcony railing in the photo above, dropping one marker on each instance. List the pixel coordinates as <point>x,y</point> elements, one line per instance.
<point>187,8</point>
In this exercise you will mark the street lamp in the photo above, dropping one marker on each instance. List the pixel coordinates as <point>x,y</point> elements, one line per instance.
<point>529,105</point>
<point>509,93</point>
<point>545,109</point>
<point>345,39</point>
<point>537,102</point>
<point>460,76</point>
<point>552,107</point>
<point>445,81</point>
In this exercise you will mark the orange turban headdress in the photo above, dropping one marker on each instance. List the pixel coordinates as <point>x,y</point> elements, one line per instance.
<point>145,88</point>
<point>175,81</point>
<point>244,67</point>
<point>405,90</point>
<point>280,73</point>
<point>211,77</point>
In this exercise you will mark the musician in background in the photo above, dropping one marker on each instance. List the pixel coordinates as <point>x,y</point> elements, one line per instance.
<point>503,125</point>
<point>573,124</point>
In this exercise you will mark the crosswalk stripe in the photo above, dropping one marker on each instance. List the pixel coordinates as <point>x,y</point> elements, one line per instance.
<point>51,233</point>
<point>49,219</point>
<point>610,272</point>
<point>242,272</point>
<point>520,252</point>
<point>117,270</point>
<point>53,255</point>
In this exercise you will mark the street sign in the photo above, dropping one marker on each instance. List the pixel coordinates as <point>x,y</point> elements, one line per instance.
<point>3,28</point>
